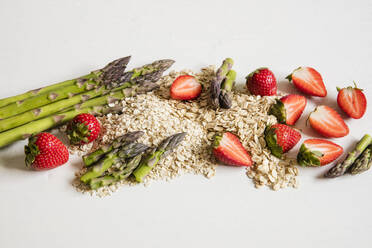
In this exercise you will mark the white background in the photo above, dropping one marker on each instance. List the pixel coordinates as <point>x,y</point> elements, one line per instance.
<point>49,41</point>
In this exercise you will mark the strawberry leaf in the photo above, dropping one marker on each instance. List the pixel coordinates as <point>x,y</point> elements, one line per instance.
<point>306,157</point>
<point>271,141</point>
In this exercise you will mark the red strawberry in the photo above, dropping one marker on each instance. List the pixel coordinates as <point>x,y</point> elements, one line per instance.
<point>308,81</point>
<point>316,152</point>
<point>228,149</point>
<point>289,108</point>
<point>352,101</point>
<point>45,151</point>
<point>327,122</point>
<point>281,138</point>
<point>185,87</point>
<point>83,129</point>
<point>262,82</point>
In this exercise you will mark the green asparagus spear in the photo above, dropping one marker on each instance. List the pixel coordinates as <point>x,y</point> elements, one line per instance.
<point>153,158</point>
<point>124,171</point>
<point>363,163</point>
<point>94,106</point>
<point>113,71</point>
<point>35,92</point>
<point>109,78</point>
<point>38,113</point>
<point>226,87</point>
<point>93,157</point>
<point>141,76</point>
<point>217,81</point>
<point>111,158</point>
<point>340,168</point>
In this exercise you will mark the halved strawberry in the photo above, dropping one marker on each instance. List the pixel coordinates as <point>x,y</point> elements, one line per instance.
<point>281,138</point>
<point>352,101</point>
<point>185,87</point>
<point>228,149</point>
<point>327,122</point>
<point>317,152</point>
<point>289,108</point>
<point>308,81</point>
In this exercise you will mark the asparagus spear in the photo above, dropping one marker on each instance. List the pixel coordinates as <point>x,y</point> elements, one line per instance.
<point>217,81</point>
<point>111,158</point>
<point>340,168</point>
<point>94,106</point>
<point>147,73</point>
<point>31,115</point>
<point>124,171</point>
<point>111,77</point>
<point>153,158</point>
<point>35,92</point>
<point>93,157</point>
<point>226,87</point>
<point>363,163</point>
<point>113,71</point>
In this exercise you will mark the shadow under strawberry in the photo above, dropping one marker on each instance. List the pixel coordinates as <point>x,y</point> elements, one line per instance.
<point>16,162</point>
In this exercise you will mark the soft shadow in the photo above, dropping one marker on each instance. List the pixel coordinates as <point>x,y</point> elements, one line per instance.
<point>77,164</point>
<point>284,86</point>
<point>16,162</point>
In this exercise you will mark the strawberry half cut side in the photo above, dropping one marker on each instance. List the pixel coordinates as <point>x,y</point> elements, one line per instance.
<point>352,101</point>
<point>308,81</point>
<point>228,149</point>
<point>185,87</point>
<point>289,108</point>
<point>318,152</point>
<point>327,122</point>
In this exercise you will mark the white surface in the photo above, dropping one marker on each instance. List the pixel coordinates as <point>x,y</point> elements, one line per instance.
<point>49,41</point>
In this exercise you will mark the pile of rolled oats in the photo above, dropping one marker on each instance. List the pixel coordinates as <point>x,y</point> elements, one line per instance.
<point>158,116</point>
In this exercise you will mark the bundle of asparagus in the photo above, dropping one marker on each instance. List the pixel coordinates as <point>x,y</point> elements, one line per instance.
<point>153,158</point>
<point>45,108</point>
<point>121,158</point>
<point>357,161</point>
<point>222,85</point>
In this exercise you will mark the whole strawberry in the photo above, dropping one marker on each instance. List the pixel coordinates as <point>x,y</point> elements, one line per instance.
<point>83,129</point>
<point>281,138</point>
<point>262,82</point>
<point>45,151</point>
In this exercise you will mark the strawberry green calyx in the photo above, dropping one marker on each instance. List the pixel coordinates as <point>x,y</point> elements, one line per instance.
<point>350,87</point>
<point>78,132</point>
<point>278,110</point>
<point>289,77</point>
<point>305,157</point>
<point>272,142</point>
<point>216,140</point>
<point>31,151</point>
